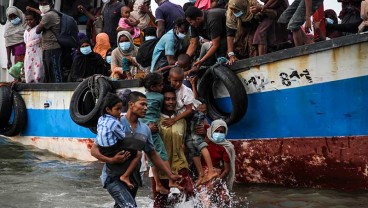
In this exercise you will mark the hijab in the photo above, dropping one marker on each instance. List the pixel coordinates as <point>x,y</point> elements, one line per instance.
<point>133,50</point>
<point>14,34</point>
<point>241,5</point>
<point>102,44</point>
<point>86,65</point>
<point>229,147</point>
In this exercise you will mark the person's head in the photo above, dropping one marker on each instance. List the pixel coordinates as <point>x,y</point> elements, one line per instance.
<point>32,18</point>
<point>238,7</point>
<point>217,131</point>
<point>187,5</point>
<point>14,15</point>
<point>194,16</point>
<point>181,28</point>
<point>45,5</point>
<point>176,77</point>
<point>158,2</point>
<point>150,33</point>
<point>330,14</point>
<point>125,41</point>
<point>137,103</point>
<point>112,105</point>
<point>125,12</point>
<point>153,82</point>
<point>108,56</point>
<point>85,47</point>
<point>183,61</point>
<point>169,99</point>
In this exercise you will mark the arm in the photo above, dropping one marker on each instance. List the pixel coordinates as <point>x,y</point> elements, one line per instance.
<point>225,171</point>
<point>210,52</point>
<point>192,46</point>
<point>160,28</point>
<point>145,9</point>
<point>230,49</point>
<point>165,68</point>
<point>132,22</point>
<point>28,8</point>
<point>158,162</point>
<point>87,13</point>
<point>40,28</point>
<point>171,121</point>
<point>171,60</point>
<point>308,8</point>
<point>120,157</point>
<point>8,52</point>
<point>193,82</point>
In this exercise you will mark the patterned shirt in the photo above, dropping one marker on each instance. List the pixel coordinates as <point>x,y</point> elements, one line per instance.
<point>109,130</point>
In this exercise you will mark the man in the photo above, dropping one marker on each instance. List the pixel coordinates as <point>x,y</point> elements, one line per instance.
<point>166,15</point>
<point>50,27</point>
<point>111,16</point>
<point>209,25</point>
<point>173,139</point>
<point>138,137</point>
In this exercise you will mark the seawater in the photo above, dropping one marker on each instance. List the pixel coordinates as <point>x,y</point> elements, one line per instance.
<point>30,177</point>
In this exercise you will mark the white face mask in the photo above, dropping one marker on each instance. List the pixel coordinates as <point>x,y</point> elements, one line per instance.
<point>105,1</point>
<point>44,9</point>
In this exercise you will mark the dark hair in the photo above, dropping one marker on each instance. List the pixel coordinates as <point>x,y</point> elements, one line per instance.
<point>35,15</point>
<point>184,58</point>
<point>110,100</point>
<point>51,2</point>
<point>176,70</point>
<point>84,40</point>
<point>152,79</point>
<point>168,88</point>
<point>109,51</point>
<point>182,22</point>
<point>150,31</point>
<point>193,12</point>
<point>187,5</point>
<point>134,96</point>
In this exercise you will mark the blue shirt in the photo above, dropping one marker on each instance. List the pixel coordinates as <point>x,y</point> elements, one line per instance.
<point>167,44</point>
<point>109,130</point>
<point>169,13</point>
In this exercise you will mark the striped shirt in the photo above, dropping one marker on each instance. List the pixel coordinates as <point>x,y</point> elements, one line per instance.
<point>109,130</point>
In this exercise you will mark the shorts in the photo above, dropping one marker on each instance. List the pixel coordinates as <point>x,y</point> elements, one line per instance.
<point>195,144</point>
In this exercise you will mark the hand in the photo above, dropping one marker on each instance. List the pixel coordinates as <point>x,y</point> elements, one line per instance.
<point>255,9</point>
<point>153,127</point>
<point>200,130</point>
<point>120,157</point>
<point>9,64</point>
<point>144,9</point>
<point>28,8</point>
<point>316,25</point>
<point>176,178</point>
<point>198,64</point>
<point>168,122</point>
<point>81,8</point>
<point>193,80</point>
<point>232,59</point>
<point>308,25</point>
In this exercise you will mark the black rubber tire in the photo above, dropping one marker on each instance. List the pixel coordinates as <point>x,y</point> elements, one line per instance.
<point>236,90</point>
<point>83,109</point>
<point>20,117</point>
<point>5,105</point>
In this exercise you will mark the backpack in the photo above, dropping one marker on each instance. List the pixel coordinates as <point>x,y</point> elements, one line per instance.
<point>145,52</point>
<point>68,36</point>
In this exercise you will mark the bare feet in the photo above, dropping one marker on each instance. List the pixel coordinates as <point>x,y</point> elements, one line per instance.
<point>210,175</point>
<point>162,190</point>
<point>172,184</point>
<point>199,180</point>
<point>126,180</point>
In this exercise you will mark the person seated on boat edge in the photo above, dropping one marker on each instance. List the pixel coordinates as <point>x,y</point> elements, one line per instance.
<point>124,56</point>
<point>173,139</point>
<point>140,138</point>
<point>110,136</point>
<point>210,25</point>
<point>183,62</point>
<point>168,47</point>
<point>185,103</point>
<point>215,193</point>
<point>298,13</point>
<point>330,19</point>
<point>86,63</point>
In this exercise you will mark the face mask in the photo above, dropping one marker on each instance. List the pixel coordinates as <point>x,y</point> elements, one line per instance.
<point>16,21</point>
<point>124,46</point>
<point>192,1</point>
<point>44,9</point>
<point>218,137</point>
<point>149,38</point>
<point>238,14</point>
<point>180,35</point>
<point>329,21</point>
<point>108,59</point>
<point>105,1</point>
<point>86,50</point>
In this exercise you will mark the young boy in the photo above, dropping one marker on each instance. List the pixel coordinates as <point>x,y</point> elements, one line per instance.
<point>185,100</point>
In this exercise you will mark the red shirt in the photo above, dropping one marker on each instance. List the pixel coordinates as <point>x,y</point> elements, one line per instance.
<point>218,154</point>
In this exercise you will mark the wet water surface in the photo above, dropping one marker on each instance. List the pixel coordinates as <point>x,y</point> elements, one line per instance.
<point>30,177</point>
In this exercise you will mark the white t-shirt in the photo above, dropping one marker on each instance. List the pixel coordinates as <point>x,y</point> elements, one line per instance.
<point>184,96</point>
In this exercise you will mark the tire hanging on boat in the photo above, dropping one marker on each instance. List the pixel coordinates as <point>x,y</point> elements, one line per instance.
<point>235,87</point>
<point>16,124</point>
<point>86,100</point>
<point>5,104</point>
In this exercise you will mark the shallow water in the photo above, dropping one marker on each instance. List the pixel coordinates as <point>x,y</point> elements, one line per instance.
<point>30,177</point>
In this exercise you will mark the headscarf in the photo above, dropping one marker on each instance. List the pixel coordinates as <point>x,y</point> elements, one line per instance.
<point>14,34</point>
<point>86,65</point>
<point>229,147</point>
<point>331,13</point>
<point>102,44</point>
<point>364,15</point>
<point>144,19</point>
<point>241,5</point>
<point>133,50</point>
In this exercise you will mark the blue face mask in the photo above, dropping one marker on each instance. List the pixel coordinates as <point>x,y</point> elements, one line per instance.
<point>238,14</point>
<point>16,21</point>
<point>180,35</point>
<point>218,137</point>
<point>86,50</point>
<point>192,1</point>
<point>329,21</point>
<point>124,46</point>
<point>108,59</point>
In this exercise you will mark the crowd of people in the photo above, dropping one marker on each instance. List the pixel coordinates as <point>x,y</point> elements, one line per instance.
<point>125,40</point>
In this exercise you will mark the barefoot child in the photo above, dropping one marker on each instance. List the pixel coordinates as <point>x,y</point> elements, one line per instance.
<point>127,23</point>
<point>109,125</point>
<point>153,82</point>
<point>185,100</point>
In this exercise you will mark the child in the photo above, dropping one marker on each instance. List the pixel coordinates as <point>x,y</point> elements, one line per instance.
<point>126,22</point>
<point>185,100</point>
<point>33,66</point>
<point>182,62</point>
<point>111,133</point>
<point>153,82</point>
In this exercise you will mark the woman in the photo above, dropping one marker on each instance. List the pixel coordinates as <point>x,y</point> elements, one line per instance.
<point>123,57</point>
<point>102,44</point>
<point>14,32</point>
<point>86,63</point>
<point>108,61</point>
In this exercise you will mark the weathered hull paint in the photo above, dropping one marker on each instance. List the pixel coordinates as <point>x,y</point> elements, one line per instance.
<point>329,162</point>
